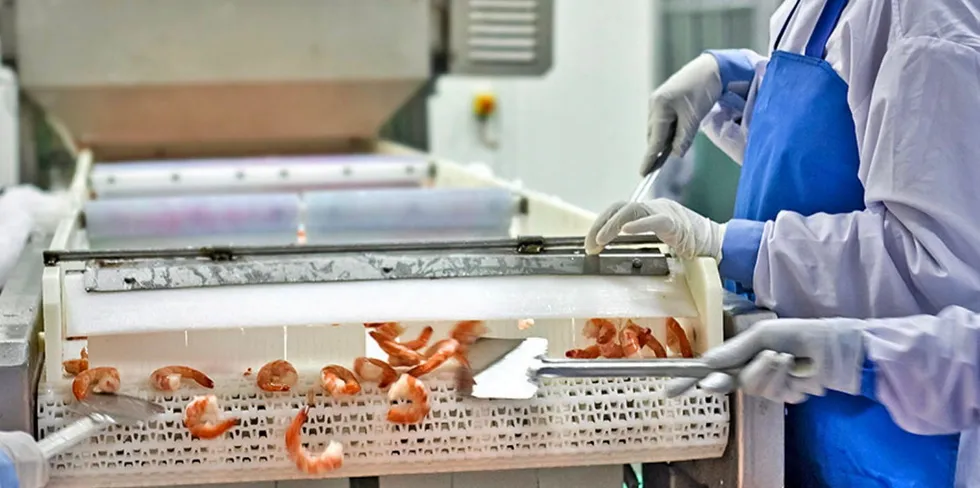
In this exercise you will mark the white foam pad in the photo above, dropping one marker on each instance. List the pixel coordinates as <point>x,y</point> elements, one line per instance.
<point>502,298</point>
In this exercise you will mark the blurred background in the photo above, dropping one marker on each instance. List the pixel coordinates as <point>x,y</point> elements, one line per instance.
<point>577,132</point>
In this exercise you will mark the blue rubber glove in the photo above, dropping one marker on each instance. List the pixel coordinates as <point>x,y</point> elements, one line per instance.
<point>766,352</point>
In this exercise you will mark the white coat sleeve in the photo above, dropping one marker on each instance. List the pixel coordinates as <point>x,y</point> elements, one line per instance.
<point>926,370</point>
<point>916,248</point>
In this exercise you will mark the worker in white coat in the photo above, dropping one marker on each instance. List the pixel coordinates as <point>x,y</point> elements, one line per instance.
<point>24,209</point>
<point>858,196</point>
<point>925,370</point>
<point>22,465</point>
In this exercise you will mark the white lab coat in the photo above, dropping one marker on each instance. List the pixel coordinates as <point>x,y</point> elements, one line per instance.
<point>927,374</point>
<point>913,74</point>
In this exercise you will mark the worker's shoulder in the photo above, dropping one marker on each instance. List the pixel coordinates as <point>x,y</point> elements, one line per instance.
<point>955,21</point>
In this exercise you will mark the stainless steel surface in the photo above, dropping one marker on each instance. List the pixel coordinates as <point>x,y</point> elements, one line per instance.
<point>140,78</point>
<point>755,454</point>
<point>511,368</point>
<point>99,412</point>
<point>21,355</point>
<point>123,409</point>
<point>162,275</point>
<point>500,38</point>
<point>155,269</point>
<point>161,74</point>
<point>519,245</point>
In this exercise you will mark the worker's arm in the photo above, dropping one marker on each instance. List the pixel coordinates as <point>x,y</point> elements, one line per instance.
<point>926,370</point>
<point>22,465</point>
<point>915,248</point>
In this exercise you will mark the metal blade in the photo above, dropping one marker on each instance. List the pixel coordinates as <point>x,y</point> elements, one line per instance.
<point>499,368</point>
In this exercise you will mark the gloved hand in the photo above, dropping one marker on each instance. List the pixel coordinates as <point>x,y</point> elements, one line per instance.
<point>45,209</point>
<point>685,98</point>
<point>21,461</point>
<point>687,233</point>
<point>766,354</point>
<point>22,210</point>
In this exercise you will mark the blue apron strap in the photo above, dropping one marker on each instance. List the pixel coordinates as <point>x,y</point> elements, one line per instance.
<point>782,31</point>
<point>829,17</point>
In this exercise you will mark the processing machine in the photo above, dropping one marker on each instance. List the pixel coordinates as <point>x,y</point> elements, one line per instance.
<point>234,206</point>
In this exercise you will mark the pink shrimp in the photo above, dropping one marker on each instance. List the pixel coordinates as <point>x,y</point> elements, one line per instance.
<point>629,338</point>
<point>611,350</point>
<point>330,459</point>
<point>278,375</point>
<point>421,341</point>
<point>339,381</point>
<point>404,356</point>
<point>375,371</point>
<point>99,380</point>
<point>75,366</point>
<point>413,390</point>
<point>440,353</point>
<point>600,330</point>
<point>202,417</point>
<point>591,352</point>
<point>468,331</point>
<point>390,330</point>
<point>677,339</point>
<point>168,378</point>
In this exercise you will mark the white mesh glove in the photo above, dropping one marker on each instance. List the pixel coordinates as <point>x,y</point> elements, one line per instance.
<point>766,354</point>
<point>26,458</point>
<point>686,97</point>
<point>687,233</point>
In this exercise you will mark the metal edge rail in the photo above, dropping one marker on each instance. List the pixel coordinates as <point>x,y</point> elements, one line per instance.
<point>519,245</point>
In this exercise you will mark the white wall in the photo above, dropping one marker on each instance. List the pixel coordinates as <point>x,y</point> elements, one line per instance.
<point>580,131</point>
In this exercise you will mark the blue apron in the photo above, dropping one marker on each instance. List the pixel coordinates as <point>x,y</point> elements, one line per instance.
<point>802,155</point>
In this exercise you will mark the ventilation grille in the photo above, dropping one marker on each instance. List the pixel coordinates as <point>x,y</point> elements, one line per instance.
<point>502,37</point>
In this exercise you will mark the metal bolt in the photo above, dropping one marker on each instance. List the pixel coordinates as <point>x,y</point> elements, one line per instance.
<point>637,263</point>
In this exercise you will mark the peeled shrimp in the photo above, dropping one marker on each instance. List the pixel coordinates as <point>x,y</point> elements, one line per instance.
<point>404,356</point>
<point>168,378</point>
<point>611,350</point>
<point>390,330</point>
<point>468,331</point>
<point>591,352</point>
<point>330,459</point>
<point>525,324</point>
<point>413,390</point>
<point>99,380</point>
<point>421,341</point>
<point>202,417</point>
<point>277,375</point>
<point>600,330</point>
<point>677,339</point>
<point>75,366</point>
<point>375,371</point>
<point>339,381</point>
<point>440,353</point>
<point>629,338</point>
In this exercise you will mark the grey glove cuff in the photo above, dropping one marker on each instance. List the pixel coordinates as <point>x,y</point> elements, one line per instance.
<point>844,357</point>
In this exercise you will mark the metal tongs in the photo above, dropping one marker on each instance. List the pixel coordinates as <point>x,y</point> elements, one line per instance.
<point>511,368</point>
<point>100,412</point>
